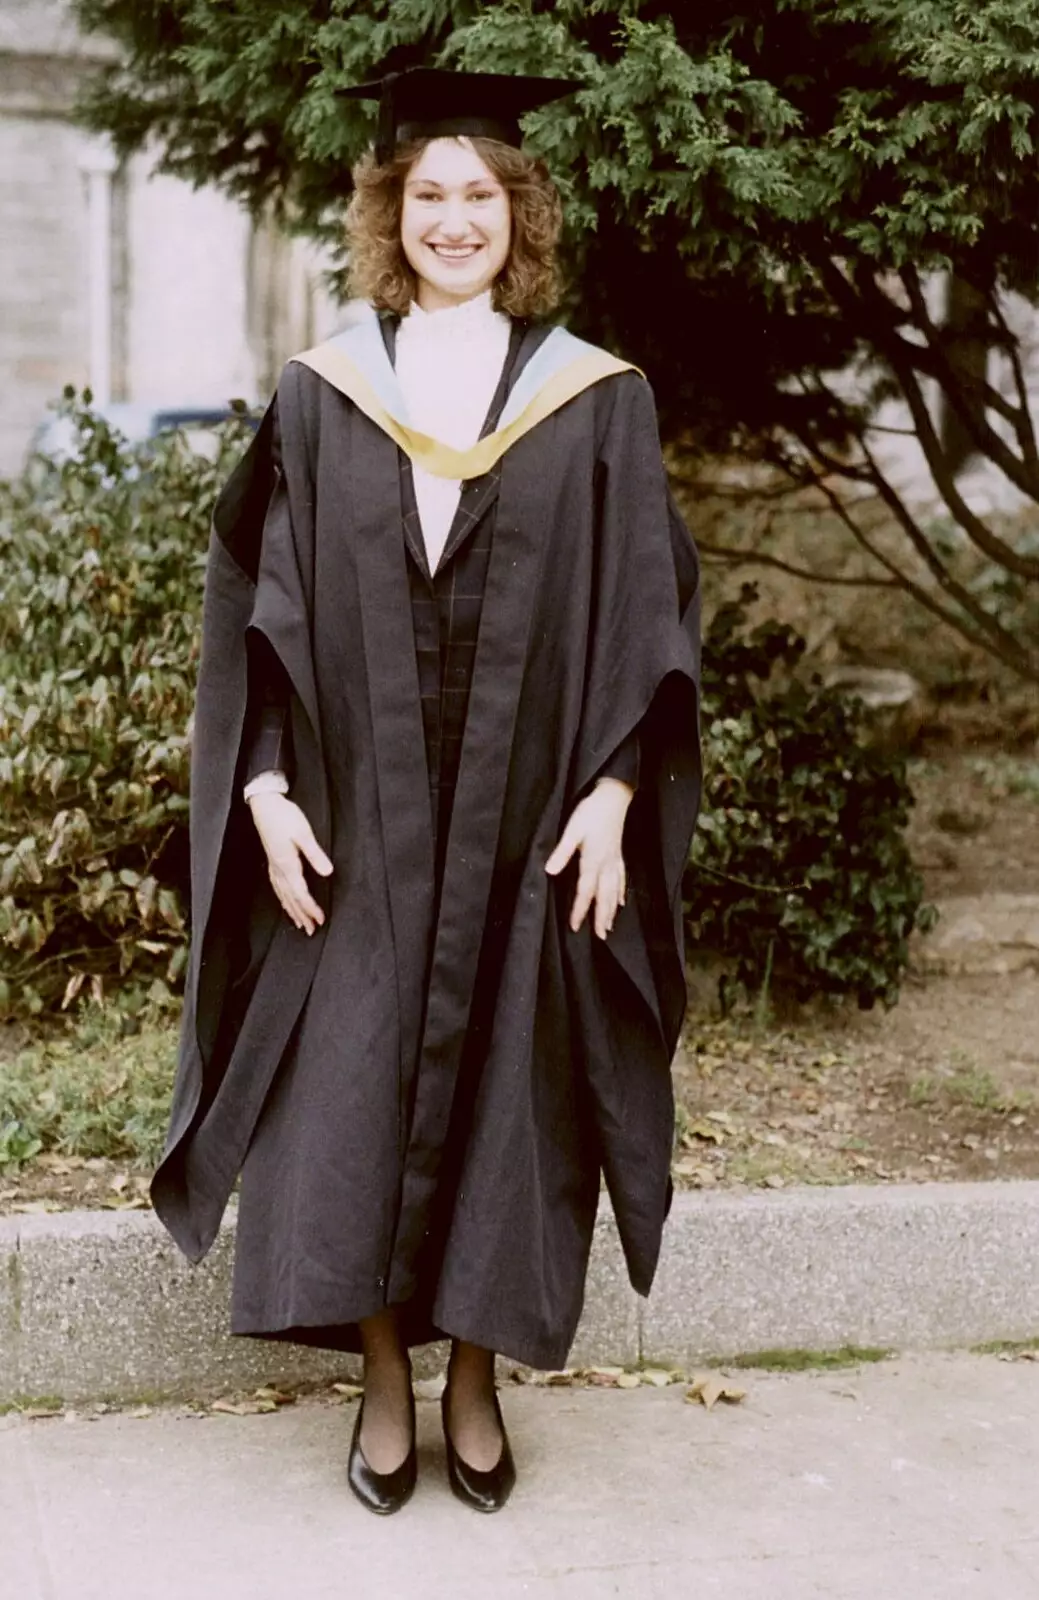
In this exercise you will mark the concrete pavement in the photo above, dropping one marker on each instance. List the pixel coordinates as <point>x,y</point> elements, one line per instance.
<point>911,1480</point>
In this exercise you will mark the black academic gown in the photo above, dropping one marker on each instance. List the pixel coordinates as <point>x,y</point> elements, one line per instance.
<point>423,1094</point>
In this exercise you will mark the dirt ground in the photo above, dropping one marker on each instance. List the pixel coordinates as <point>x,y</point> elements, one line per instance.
<point>59,1183</point>
<point>945,1086</point>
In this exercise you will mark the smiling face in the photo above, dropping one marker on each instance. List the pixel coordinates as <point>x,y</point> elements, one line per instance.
<point>456,224</point>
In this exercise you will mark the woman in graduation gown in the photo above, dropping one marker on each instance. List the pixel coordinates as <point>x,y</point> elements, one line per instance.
<point>445,776</point>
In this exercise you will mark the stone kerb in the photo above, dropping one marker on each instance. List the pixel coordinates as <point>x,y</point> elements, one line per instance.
<point>101,1305</point>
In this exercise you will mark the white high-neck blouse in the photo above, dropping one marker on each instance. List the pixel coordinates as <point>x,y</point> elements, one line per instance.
<point>448,366</point>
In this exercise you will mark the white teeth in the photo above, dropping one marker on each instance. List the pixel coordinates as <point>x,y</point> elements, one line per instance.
<point>455,253</point>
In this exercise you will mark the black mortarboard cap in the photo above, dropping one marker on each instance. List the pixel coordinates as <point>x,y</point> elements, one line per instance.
<point>433,103</point>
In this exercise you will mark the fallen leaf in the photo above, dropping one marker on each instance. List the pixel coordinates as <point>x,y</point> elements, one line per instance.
<point>52,1163</point>
<point>692,1167</point>
<point>707,1388</point>
<point>243,1408</point>
<point>702,1130</point>
<point>656,1377</point>
<point>629,1380</point>
<point>349,1391</point>
<point>275,1396</point>
<point>141,1413</point>
<point>603,1377</point>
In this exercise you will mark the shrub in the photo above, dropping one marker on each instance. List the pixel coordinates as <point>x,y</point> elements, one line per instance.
<point>101,562</point>
<point>95,1088</point>
<point>800,868</point>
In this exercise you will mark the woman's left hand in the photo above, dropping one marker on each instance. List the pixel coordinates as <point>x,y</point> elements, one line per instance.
<point>596,829</point>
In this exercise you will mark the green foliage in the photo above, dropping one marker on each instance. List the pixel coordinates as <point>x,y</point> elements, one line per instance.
<point>101,562</point>
<point>800,869</point>
<point>97,1087</point>
<point>717,154</point>
<point>755,197</point>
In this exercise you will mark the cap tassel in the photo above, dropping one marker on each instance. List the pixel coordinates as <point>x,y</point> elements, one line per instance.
<point>386,138</point>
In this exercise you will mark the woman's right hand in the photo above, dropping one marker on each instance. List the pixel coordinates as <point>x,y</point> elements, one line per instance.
<point>287,838</point>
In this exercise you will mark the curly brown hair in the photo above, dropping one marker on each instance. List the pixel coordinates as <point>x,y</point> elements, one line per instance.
<point>529,285</point>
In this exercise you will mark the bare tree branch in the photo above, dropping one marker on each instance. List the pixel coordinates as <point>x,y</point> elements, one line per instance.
<point>1001,642</point>
<point>898,353</point>
<point>924,597</point>
<point>944,370</point>
<point>736,557</point>
<point>867,302</point>
<point>1009,344</point>
<point>900,433</point>
<point>973,418</point>
<point>985,629</point>
<point>976,529</point>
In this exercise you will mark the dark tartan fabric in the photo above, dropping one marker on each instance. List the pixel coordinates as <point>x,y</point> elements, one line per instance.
<point>446,605</point>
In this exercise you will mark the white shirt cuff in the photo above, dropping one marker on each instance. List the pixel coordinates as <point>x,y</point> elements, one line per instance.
<point>273,782</point>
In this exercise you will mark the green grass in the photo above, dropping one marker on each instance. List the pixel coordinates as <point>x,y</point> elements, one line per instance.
<point>968,1086</point>
<point>849,1355</point>
<point>27,1402</point>
<point>88,1088</point>
<point>1000,1347</point>
<point>1006,774</point>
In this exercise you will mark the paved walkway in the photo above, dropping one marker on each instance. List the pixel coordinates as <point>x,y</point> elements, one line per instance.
<point>914,1480</point>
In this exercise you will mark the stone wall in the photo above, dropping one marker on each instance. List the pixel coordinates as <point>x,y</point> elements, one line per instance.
<point>205,306</point>
<point>43,332</point>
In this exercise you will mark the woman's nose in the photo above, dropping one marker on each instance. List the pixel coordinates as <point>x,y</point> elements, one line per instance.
<point>455,220</point>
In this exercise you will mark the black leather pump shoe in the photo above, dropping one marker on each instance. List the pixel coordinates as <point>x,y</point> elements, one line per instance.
<point>382,1492</point>
<point>484,1491</point>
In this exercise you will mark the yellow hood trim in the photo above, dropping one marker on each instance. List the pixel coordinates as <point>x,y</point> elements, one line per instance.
<point>588,367</point>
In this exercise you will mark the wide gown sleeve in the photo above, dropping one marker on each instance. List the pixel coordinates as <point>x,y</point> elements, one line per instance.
<point>267,742</point>
<point>268,737</point>
<point>641,687</point>
<point>624,762</point>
